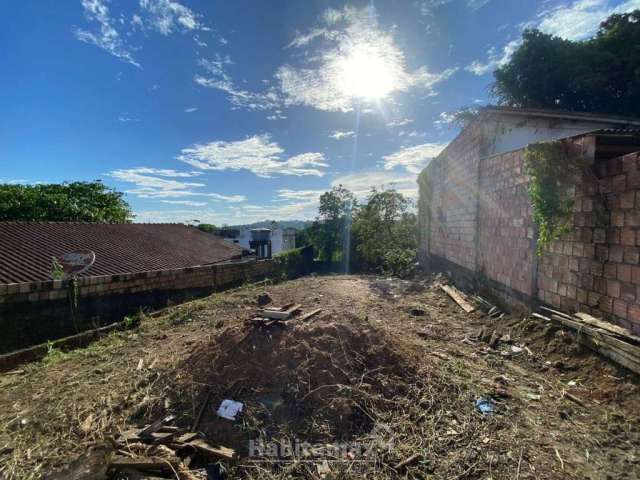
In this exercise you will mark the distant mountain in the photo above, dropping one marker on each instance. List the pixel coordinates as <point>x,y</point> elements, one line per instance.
<point>297,224</point>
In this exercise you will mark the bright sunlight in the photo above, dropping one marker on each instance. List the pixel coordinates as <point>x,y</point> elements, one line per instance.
<point>363,72</point>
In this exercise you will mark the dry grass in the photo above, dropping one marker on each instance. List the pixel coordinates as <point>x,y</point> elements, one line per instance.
<point>367,370</point>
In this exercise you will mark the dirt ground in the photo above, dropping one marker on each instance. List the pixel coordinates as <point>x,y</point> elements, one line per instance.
<point>392,365</point>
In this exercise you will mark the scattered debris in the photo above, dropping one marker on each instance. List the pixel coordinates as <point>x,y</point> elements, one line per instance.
<point>229,409</point>
<point>485,405</point>
<point>263,299</point>
<point>408,461</point>
<point>611,341</point>
<point>279,314</point>
<point>312,313</point>
<point>458,297</point>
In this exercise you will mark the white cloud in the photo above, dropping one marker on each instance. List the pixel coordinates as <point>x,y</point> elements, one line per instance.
<point>167,15</point>
<point>126,117</point>
<point>411,134</point>
<point>160,183</point>
<point>345,36</point>
<point>106,37</point>
<point>445,118</point>
<point>413,159</point>
<point>496,58</point>
<point>191,109</point>
<point>277,115</point>
<point>187,203</point>
<point>361,183</point>
<point>257,154</point>
<point>426,7</point>
<point>340,134</point>
<point>577,20</point>
<point>399,123</point>
<point>216,77</point>
<point>581,19</point>
<point>305,196</point>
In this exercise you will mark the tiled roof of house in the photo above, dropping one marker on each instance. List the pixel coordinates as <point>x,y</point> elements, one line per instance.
<point>27,248</point>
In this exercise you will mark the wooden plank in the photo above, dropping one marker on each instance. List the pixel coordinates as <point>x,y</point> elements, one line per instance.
<point>278,314</point>
<point>143,464</point>
<point>457,297</point>
<point>610,327</point>
<point>187,437</point>
<point>557,312</point>
<point>307,316</point>
<point>602,343</point>
<point>207,449</point>
<point>196,422</point>
<point>155,426</point>
<point>540,317</point>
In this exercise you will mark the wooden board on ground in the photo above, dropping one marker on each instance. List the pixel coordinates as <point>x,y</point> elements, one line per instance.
<point>458,297</point>
<point>610,327</point>
<point>207,449</point>
<point>603,342</point>
<point>279,314</point>
<point>155,426</point>
<point>307,316</point>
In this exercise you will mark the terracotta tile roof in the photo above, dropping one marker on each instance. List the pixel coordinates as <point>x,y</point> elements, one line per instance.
<point>27,248</point>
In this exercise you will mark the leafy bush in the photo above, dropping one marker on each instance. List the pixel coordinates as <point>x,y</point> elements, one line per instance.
<point>399,262</point>
<point>295,263</point>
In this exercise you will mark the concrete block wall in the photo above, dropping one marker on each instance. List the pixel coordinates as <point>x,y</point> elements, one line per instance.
<point>596,268</point>
<point>505,227</point>
<point>454,183</point>
<point>35,312</point>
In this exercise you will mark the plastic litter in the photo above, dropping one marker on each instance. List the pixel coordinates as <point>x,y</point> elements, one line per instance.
<point>229,409</point>
<point>485,405</point>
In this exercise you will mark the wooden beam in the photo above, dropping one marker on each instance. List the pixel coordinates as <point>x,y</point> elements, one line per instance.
<point>307,316</point>
<point>278,314</point>
<point>458,297</point>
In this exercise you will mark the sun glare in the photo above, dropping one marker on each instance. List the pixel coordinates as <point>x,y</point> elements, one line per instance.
<point>364,73</point>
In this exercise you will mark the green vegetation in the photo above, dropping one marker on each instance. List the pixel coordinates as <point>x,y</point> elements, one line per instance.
<point>66,202</point>
<point>383,231</point>
<point>296,262</point>
<point>601,74</point>
<point>549,170</point>
<point>384,234</point>
<point>207,227</point>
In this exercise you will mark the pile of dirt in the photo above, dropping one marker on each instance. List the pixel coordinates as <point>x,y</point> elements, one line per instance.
<point>316,381</point>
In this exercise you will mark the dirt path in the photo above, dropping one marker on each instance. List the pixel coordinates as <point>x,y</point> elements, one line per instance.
<point>390,361</point>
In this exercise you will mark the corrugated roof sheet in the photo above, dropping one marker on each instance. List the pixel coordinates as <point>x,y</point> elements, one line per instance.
<point>27,248</point>
<point>619,131</point>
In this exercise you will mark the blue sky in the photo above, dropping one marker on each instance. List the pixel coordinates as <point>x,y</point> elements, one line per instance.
<point>238,111</point>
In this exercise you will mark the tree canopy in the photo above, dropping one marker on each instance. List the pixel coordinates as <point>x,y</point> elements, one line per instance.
<point>328,231</point>
<point>601,74</point>
<point>66,202</point>
<point>382,233</point>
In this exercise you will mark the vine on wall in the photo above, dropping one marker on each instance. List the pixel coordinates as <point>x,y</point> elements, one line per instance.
<point>550,174</point>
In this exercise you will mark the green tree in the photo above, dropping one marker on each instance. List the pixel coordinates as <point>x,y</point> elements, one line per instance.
<point>207,227</point>
<point>328,231</point>
<point>601,74</point>
<point>66,202</point>
<point>384,234</point>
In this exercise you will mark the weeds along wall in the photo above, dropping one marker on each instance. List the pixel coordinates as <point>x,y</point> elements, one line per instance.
<point>32,313</point>
<point>594,266</point>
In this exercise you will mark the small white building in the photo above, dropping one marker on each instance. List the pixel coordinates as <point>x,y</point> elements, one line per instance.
<point>264,242</point>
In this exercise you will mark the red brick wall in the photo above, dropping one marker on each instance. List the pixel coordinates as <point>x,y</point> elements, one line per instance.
<point>454,183</point>
<point>596,268</point>
<point>506,229</point>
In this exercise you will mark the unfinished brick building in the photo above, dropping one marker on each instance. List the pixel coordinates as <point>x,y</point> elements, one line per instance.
<point>476,215</point>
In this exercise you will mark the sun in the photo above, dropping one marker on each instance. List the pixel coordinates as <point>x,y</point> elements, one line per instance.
<point>363,72</point>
